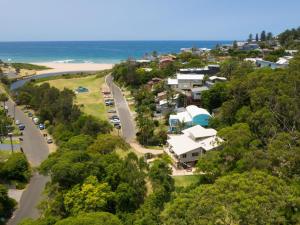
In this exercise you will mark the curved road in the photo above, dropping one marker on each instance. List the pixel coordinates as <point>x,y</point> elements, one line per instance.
<point>36,151</point>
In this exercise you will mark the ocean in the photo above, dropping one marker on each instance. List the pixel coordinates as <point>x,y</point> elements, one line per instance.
<point>92,51</point>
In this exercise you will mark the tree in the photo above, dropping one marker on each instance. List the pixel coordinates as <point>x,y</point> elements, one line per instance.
<point>249,198</point>
<point>263,36</point>
<point>6,205</point>
<point>107,143</point>
<point>16,168</point>
<point>250,38</point>
<point>235,46</point>
<point>214,97</point>
<point>269,36</point>
<point>91,196</point>
<point>256,37</point>
<point>97,218</point>
<point>3,98</point>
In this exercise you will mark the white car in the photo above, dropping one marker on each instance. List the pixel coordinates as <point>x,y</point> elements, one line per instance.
<point>17,122</point>
<point>115,121</point>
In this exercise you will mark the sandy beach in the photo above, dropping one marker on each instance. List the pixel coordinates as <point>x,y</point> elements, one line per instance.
<point>71,67</point>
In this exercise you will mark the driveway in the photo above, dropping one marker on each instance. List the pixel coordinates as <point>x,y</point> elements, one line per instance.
<point>36,150</point>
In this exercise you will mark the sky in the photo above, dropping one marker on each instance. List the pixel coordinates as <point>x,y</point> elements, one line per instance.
<point>61,20</point>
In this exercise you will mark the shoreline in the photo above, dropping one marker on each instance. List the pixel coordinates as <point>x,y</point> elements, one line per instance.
<point>72,67</point>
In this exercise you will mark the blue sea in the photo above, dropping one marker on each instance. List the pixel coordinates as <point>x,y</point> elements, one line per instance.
<point>92,51</point>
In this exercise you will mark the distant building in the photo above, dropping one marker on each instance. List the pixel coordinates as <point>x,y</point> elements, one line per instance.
<point>249,46</point>
<point>282,62</point>
<point>195,51</point>
<point>190,116</point>
<point>207,70</point>
<point>186,81</point>
<point>186,148</point>
<point>165,61</point>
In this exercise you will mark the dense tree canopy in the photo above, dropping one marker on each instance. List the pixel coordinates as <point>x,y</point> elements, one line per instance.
<point>249,198</point>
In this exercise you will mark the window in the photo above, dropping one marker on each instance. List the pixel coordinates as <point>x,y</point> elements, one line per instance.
<point>183,156</point>
<point>194,154</point>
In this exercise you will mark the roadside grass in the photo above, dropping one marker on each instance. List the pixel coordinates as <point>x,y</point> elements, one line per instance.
<point>90,102</point>
<point>4,155</point>
<point>185,181</point>
<point>7,141</point>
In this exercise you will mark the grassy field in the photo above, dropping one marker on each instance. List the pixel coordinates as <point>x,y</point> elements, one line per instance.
<point>91,101</point>
<point>184,181</point>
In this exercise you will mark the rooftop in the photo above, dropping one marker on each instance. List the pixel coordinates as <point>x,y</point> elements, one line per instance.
<point>189,76</point>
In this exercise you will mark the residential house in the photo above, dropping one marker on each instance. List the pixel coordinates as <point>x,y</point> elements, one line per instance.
<point>165,61</point>
<point>152,82</point>
<point>186,81</point>
<point>186,148</point>
<point>167,105</point>
<point>195,51</point>
<point>190,116</point>
<point>207,70</point>
<point>215,79</point>
<point>197,92</point>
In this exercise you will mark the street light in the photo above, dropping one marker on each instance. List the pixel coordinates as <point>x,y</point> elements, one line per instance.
<point>11,143</point>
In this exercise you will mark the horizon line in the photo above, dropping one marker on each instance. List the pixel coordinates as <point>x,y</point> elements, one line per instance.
<point>114,40</point>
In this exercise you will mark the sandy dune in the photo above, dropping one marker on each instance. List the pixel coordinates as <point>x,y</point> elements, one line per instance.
<point>71,67</point>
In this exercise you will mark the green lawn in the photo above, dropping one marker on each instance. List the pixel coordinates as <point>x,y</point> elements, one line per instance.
<point>91,101</point>
<point>184,181</point>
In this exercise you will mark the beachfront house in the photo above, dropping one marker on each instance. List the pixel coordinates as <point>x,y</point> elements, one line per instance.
<point>186,81</point>
<point>186,148</point>
<point>188,117</point>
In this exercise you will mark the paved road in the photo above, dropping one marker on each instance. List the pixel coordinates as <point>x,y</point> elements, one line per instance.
<point>20,83</point>
<point>128,128</point>
<point>36,150</point>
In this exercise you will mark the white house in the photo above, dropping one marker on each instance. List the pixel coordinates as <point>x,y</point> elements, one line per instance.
<point>215,79</point>
<point>187,147</point>
<point>186,81</point>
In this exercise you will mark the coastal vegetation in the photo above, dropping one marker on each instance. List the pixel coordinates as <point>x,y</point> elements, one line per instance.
<point>28,66</point>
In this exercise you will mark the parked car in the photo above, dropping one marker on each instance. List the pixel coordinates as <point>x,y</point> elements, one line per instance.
<point>22,126</point>
<point>41,126</point>
<point>109,103</point>
<point>49,141</point>
<point>111,111</point>
<point>17,122</point>
<point>30,114</point>
<point>115,117</point>
<point>117,125</point>
<point>115,121</point>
